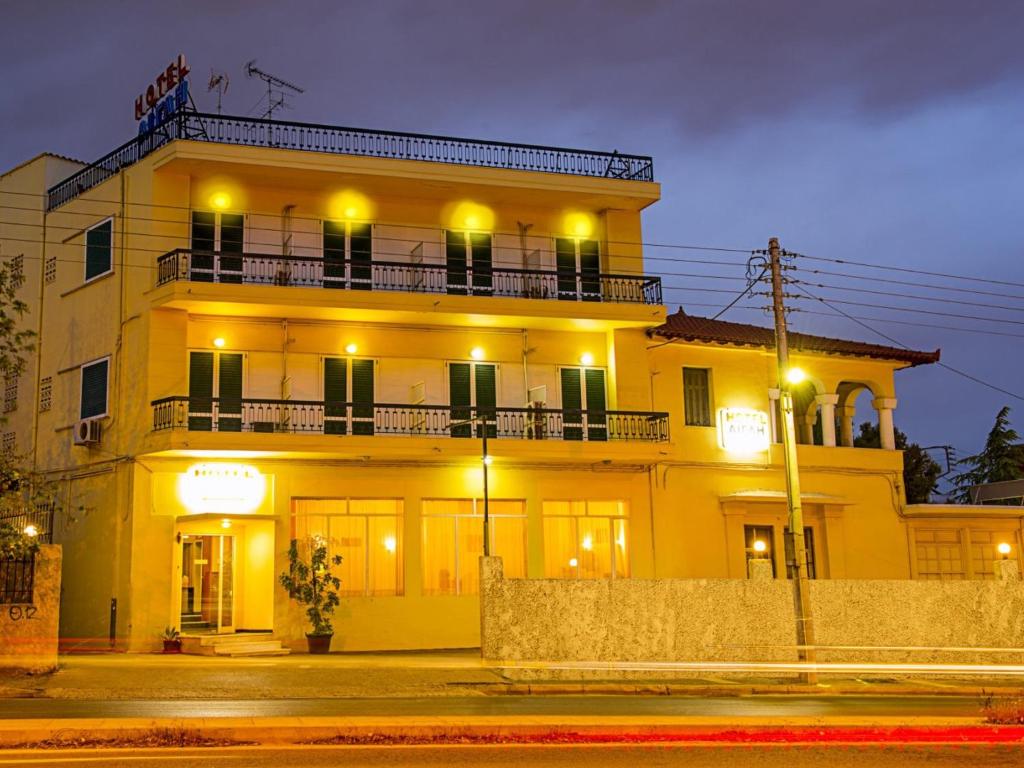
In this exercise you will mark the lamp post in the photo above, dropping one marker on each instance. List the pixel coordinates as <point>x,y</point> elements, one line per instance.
<point>485,460</point>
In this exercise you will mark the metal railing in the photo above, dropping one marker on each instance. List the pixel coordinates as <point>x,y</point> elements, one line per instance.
<point>338,418</point>
<point>316,272</point>
<point>40,518</point>
<point>17,575</point>
<point>338,140</point>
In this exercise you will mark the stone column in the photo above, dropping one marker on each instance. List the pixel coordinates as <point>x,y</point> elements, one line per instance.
<point>886,433</point>
<point>846,416</point>
<point>807,427</point>
<point>827,403</point>
<point>1007,570</point>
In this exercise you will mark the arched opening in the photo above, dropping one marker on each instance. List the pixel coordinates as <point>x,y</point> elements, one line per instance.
<point>806,414</point>
<point>856,418</point>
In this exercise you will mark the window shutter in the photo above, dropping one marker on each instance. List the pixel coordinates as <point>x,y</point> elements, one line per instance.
<point>232,229</point>
<point>200,391</point>
<point>230,419</point>
<point>203,226</point>
<point>361,245</point>
<point>362,397</point>
<point>98,249</point>
<point>572,404</point>
<point>455,256</point>
<point>459,397</point>
<point>565,262</point>
<point>696,397</point>
<point>335,395</point>
<point>597,420</point>
<point>334,255</point>
<point>94,389</point>
<point>483,276</point>
<point>486,396</point>
<point>590,270</point>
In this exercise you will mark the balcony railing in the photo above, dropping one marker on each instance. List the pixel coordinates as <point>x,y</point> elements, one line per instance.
<point>315,272</point>
<point>337,418</point>
<point>336,140</point>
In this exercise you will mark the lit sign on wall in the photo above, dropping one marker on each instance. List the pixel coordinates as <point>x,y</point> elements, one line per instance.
<point>164,96</point>
<point>222,488</point>
<point>743,430</point>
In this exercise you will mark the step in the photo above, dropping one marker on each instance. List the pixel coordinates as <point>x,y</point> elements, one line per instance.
<point>226,645</point>
<point>270,647</point>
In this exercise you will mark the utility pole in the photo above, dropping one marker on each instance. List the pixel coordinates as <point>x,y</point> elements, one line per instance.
<point>801,584</point>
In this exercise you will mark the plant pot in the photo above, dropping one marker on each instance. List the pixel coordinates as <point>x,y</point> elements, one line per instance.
<point>172,646</point>
<point>319,643</point>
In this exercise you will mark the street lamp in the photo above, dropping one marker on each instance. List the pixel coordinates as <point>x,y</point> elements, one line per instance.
<point>760,548</point>
<point>485,462</point>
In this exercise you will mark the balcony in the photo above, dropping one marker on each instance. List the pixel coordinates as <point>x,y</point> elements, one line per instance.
<point>189,265</point>
<point>433,421</point>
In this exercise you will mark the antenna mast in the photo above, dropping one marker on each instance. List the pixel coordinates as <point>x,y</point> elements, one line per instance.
<point>219,83</point>
<point>276,87</point>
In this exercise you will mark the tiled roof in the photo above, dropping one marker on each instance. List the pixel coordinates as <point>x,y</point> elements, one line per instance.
<point>702,329</point>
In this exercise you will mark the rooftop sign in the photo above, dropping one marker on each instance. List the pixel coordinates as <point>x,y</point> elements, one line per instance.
<point>167,93</point>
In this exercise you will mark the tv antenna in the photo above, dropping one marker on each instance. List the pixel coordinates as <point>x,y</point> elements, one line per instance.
<point>219,83</point>
<point>276,88</point>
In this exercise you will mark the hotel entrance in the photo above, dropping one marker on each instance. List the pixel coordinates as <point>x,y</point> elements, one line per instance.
<point>207,583</point>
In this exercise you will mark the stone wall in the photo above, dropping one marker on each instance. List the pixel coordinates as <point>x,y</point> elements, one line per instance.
<point>28,632</point>
<point>655,620</point>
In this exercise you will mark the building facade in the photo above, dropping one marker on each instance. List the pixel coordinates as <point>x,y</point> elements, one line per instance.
<point>253,332</point>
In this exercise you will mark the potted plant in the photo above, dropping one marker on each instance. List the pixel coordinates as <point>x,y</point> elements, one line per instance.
<point>172,640</point>
<point>310,583</point>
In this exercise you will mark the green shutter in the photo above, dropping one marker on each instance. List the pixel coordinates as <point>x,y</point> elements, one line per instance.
<point>200,391</point>
<point>486,397</point>
<point>597,420</point>
<point>232,229</point>
<point>459,397</point>
<point>98,249</point>
<point>361,246</point>
<point>483,274</point>
<point>455,257</point>
<point>565,262</point>
<point>94,389</point>
<point>230,393</point>
<point>362,397</point>
<point>590,270</point>
<point>203,229</point>
<point>572,405</point>
<point>334,254</point>
<point>696,397</point>
<point>335,396</point>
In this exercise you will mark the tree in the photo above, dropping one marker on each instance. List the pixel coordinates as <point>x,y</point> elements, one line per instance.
<point>1001,459</point>
<point>920,471</point>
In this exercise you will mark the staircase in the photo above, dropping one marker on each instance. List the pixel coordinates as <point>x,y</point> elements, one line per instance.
<point>243,644</point>
<point>193,622</point>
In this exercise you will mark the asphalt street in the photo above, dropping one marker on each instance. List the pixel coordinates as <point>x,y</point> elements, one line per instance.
<point>647,755</point>
<point>726,706</point>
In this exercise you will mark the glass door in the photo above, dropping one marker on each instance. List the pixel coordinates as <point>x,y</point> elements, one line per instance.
<point>207,583</point>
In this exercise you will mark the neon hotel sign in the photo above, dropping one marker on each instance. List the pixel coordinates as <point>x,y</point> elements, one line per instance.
<point>164,96</point>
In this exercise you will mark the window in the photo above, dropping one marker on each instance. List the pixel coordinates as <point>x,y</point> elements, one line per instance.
<point>765,533</point>
<point>217,241</point>
<point>578,265</point>
<point>219,372</point>
<point>348,396</point>
<point>468,257</point>
<point>46,393</point>
<point>984,553</point>
<point>99,249</point>
<point>18,266</point>
<point>367,533</point>
<point>453,541</point>
<point>586,539</point>
<point>473,385</point>
<point>697,396</point>
<point>94,389</point>
<point>939,554</point>
<point>50,269</point>
<point>809,559</point>
<point>11,393</point>
<point>348,254</point>
<point>583,404</point>
<point>8,444</point>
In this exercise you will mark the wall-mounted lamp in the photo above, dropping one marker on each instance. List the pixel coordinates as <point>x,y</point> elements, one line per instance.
<point>1004,549</point>
<point>219,342</point>
<point>477,353</point>
<point>351,349</point>
<point>586,359</point>
<point>760,548</point>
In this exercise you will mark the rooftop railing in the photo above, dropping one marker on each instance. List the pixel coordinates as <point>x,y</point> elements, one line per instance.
<point>198,414</point>
<point>316,272</point>
<point>337,140</point>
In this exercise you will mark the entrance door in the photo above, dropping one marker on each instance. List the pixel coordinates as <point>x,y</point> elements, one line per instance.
<point>207,583</point>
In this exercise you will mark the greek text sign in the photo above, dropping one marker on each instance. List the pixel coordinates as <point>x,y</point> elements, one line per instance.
<point>743,430</point>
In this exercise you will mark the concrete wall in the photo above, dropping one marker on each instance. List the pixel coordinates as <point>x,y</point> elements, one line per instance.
<point>28,632</point>
<point>634,620</point>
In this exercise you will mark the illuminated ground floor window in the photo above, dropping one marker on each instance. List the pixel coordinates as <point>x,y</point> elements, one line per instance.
<point>453,541</point>
<point>367,533</point>
<point>586,539</point>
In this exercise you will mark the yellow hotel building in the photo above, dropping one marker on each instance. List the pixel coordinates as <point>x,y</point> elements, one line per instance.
<point>252,331</point>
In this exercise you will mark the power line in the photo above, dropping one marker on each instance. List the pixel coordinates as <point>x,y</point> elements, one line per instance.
<point>932,313</point>
<point>943,299</point>
<point>913,283</point>
<point>912,271</point>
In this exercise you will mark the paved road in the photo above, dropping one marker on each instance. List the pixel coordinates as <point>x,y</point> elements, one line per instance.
<point>733,706</point>
<point>649,756</point>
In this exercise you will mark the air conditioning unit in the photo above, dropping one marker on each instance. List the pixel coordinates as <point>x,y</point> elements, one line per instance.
<point>88,432</point>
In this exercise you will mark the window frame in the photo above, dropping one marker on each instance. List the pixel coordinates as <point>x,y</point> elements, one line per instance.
<point>610,519</point>
<point>85,252</point>
<point>106,388</point>
<point>710,392</point>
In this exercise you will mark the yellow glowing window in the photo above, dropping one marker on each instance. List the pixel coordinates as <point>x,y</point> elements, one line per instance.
<point>367,533</point>
<point>586,539</point>
<point>453,541</point>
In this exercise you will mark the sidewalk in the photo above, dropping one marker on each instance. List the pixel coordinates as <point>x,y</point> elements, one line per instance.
<point>425,674</point>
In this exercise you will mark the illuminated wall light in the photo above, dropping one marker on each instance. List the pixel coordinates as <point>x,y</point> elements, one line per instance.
<point>477,353</point>
<point>1004,549</point>
<point>588,543</point>
<point>220,200</point>
<point>390,544</point>
<point>578,224</point>
<point>31,531</point>
<point>351,349</point>
<point>350,204</point>
<point>573,562</point>
<point>586,359</point>
<point>218,342</point>
<point>760,547</point>
<point>469,215</point>
<point>225,523</point>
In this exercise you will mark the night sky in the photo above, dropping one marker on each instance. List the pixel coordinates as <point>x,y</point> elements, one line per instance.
<point>886,132</point>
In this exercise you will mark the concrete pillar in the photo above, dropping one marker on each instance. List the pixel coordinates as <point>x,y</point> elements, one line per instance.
<point>827,403</point>
<point>886,433</point>
<point>1007,570</point>
<point>846,415</point>
<point>807,427</point>
<point>759,569</point>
